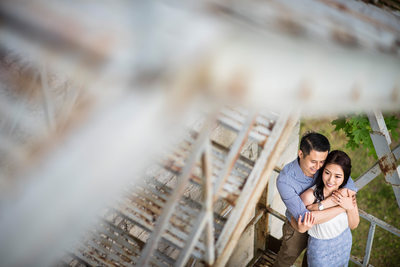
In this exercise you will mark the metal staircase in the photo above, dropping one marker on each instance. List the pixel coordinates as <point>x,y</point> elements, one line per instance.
<point>265,259</point>
<point>194,200</point>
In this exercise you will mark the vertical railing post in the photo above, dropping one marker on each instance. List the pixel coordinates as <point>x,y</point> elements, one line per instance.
<point>234,153</point>
<point>208,196</point>
<point>368,247</point>
<point>169,208</point>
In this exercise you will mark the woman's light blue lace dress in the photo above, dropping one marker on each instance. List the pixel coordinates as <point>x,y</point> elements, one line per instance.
<point>329,252</point>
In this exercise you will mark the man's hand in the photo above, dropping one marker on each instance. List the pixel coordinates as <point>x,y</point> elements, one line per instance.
<point>308,222</point>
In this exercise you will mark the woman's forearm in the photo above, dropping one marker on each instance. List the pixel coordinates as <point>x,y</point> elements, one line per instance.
<point>352,213</point>
<point>353,217</point>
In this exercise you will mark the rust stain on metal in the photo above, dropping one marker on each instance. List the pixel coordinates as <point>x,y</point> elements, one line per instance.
<point>377,133</point>
<point>387,164</point>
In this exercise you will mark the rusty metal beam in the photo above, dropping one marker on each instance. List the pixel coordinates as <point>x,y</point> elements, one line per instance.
<point>374,171</point>
<point>387,160</point>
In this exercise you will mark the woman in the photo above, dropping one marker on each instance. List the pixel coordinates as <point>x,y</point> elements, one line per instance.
<point>329,243</point>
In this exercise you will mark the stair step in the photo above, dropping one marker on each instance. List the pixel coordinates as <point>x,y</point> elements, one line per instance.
<point>265,259</point>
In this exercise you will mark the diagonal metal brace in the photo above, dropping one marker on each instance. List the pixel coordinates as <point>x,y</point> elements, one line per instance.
<point>387,161</point>
<point>387,164</point>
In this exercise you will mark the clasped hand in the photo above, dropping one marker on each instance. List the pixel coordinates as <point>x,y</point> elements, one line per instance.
<point>343,199</point>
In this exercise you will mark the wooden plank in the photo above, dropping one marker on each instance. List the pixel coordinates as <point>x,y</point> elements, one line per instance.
<point>78,259</point>
<point>177,162</point>
<point>80,255</point>
<point>217,147</point>
<point>233,154</point>
<point>109,256</point>
<point>149,197</point>
<point>149,218</point>
<point>109,229</point>
<point>163,221</point>
<point>192,239</point>
<point>121,247</point>
<point>115,246</point>
<point>177,235</point>
<point>91,253</point>
<point>171,238</point>
<point>165,258</point>
<point>144,203</point>
<point>234,126</point>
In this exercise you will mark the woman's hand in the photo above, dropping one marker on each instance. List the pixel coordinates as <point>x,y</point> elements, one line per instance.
<point>308,222</point>
<point>342,198</point>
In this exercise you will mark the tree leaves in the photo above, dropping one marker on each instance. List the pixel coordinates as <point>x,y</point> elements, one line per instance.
<point>357,130</point>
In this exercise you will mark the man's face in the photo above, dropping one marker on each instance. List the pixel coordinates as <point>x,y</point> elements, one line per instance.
<point>311,163</point>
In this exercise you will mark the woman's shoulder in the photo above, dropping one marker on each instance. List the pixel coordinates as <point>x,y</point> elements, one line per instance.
<point>308,195</point>
<point>309,191</point>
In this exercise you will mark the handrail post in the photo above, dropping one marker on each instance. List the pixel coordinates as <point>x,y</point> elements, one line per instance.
<point>368,247</point>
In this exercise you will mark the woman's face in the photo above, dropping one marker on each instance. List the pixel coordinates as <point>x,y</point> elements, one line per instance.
<point>332,176</point>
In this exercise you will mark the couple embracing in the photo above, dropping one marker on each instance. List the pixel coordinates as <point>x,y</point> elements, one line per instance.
<point>321,206</point>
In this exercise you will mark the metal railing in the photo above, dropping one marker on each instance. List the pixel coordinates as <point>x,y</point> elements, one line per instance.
<point>373,223</point>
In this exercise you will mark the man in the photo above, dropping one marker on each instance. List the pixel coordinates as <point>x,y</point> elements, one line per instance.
<point>296,177</point>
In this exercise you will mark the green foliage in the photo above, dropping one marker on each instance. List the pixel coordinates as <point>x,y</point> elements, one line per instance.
<point>357,129</point>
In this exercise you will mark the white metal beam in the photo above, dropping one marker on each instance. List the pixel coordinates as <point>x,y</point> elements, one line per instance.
<point>374,171</point>
<point>387,160</point>
<point>207,173</point>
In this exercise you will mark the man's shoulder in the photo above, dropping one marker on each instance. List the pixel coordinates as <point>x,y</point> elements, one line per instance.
<point>287,172</point>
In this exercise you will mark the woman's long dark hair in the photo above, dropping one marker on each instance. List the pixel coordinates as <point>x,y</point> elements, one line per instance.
<point>334,157</point>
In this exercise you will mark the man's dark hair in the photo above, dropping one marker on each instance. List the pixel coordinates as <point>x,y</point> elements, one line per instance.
<point>314,141</point>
